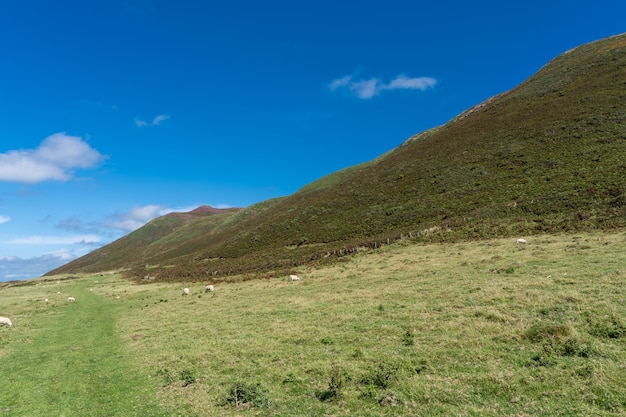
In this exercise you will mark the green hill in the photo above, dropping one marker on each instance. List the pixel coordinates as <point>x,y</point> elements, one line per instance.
<point>547,156</point>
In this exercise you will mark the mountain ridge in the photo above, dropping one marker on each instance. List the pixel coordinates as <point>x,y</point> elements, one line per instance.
<point>546,156</point>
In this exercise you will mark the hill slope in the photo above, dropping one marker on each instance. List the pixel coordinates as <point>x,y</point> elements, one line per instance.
<point>549,155</point>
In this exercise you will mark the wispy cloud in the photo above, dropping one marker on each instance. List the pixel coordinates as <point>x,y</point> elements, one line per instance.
<point>368,88</point>
<point>77,225</point>
<point>136,217</point>
<point>55,159</point>
<point>160,118</point>
<point>16,268</point>
<point>155,122</point>
<point>56,240</point>
<point>4,219</point>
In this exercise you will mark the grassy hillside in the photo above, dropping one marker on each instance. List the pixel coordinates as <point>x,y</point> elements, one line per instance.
<point>547,156</point>
<point>485,328</point>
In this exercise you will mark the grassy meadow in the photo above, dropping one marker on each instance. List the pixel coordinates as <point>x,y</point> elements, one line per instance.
<point>486,328</point>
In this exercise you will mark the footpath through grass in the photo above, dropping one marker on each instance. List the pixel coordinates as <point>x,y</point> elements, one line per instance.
<point>487,328</point>
<point>76,365</point>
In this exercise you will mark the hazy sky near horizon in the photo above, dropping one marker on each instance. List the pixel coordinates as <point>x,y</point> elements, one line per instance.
<point>114,112</point>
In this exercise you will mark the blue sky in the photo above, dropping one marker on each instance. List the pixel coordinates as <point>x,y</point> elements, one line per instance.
<point>113,112</point>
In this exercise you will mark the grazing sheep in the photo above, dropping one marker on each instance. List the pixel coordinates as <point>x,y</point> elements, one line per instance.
<point>185,291</point>
<point>521,241</point>
<point>209,288</point>
<point>5,321</point>
<point>71,299</point>
<point>46,300</point>
<point>294,278</point>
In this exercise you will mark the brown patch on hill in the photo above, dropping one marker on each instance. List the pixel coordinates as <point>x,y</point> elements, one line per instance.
<point>202,211</point>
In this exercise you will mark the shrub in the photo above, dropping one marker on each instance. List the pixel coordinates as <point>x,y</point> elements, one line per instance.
<point>545,331</point>
<point>326,340</point>
<point>242,393</point>
<point>290,378</point>
<point>408,339</point>
<point>383,374</point>
<point>167,376</point>
<point>574,347</point>
<point>187,376</point>
<point>554,347</point>
<point>609,326</point>
<point>368,392</point>
<point>338,379</point>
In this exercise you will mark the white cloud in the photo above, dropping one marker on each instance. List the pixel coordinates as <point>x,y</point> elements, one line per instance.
<point>55,159</point>
<point>136,217</point>
<point>155,122</point>
<point>365,89</point>
<point>16,268</point>
<point>340,82</point>
<point>55,240</point>
<point>160,118</point>
<point>368,88</point>
<point>402,82</point>
<point>64,255</point>
<point>140,123</point>
<point>4,219</point>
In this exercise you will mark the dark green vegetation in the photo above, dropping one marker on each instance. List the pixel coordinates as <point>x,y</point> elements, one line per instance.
<point>547,156</point>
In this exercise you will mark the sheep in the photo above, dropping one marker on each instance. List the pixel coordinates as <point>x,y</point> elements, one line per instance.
<point>46,300</point>
<point>5,321</point>
<point>521,241</point>
<point>185,291</point>
<point>71,299</point>
<point>209,288</point>
<point>294,278</point>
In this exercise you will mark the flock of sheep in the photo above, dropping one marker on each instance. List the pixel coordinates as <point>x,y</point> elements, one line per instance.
<point>5,321</point>
<point>208,288</point>
<point>211,288</point>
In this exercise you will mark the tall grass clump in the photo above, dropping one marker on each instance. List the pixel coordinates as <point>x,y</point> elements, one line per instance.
<point>242,394</point>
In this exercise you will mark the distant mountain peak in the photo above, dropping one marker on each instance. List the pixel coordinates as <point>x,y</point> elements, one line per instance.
<point>204,210</point>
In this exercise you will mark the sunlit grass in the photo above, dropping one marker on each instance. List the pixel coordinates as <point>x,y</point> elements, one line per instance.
<point>481,328</point>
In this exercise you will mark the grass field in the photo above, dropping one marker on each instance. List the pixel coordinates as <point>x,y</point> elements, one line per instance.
<point>487,328</point>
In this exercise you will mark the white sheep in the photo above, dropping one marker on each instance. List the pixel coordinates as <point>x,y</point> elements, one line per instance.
<point>209,288</point>
<point>71,299</point>
<point>521,241</point>
<point>5,321</point>
<point>46,300</point>
<point>294,278</point>
<point>185,291</point>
